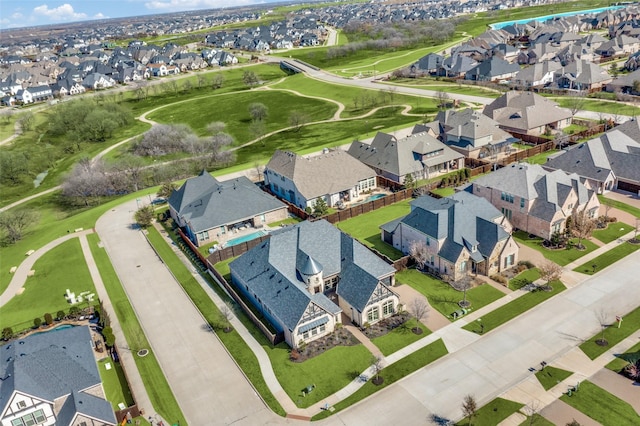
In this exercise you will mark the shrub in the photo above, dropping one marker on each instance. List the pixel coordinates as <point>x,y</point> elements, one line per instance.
<point>37,322</point>
<point>48,319</point>
<point>294,355</point>
<point>60,315</point>
<point>500,279</point>
<point>526,263</point>
<point>7,333</point>
<point>74,311</point>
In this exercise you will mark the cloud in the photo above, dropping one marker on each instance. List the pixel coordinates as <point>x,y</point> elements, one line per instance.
<point>61,13</point>
<point>178,5</point>
<point>100,15</point>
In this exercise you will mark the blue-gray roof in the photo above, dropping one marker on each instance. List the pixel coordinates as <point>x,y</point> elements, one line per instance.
<point>206,203</point>
<point>271,269</point>
<point>85,405</point>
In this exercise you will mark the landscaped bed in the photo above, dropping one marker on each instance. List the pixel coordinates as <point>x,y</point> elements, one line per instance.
<point>561,256</point>
<point>396,335</point>
<point>612,232</point>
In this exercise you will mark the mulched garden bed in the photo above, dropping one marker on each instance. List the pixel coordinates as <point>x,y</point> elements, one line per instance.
<point>340,337</point>
<point>386,325</point>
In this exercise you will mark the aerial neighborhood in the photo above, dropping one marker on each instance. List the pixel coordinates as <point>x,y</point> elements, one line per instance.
<point>269,214</point>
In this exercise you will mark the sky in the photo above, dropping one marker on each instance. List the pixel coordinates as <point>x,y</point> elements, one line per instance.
<point>26,13</point>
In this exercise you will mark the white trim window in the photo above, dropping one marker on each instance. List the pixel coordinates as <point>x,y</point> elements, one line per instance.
<point>373,314</point>
<point>387,308</point>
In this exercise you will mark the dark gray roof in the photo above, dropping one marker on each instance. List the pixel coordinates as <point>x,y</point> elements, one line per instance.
<point>206,203</point>
<point>272,272</point>
<point>525,110</point>
<point>85,405</point>
<point>48,365</point>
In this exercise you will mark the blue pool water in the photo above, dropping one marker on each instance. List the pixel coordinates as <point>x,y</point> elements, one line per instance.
<point>374,197</point>
<point>245,238</point>
<point>499,25</point>
<point>58,328</point>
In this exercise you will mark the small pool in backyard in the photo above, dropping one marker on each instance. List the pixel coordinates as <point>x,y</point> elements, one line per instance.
<point>58,328</point>
<point>374,197</point>
<point>245,238</point>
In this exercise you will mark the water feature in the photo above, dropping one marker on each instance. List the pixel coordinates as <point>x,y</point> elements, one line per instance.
<point>38,180</point>
<point>499,25</point>
<point>245,238</point>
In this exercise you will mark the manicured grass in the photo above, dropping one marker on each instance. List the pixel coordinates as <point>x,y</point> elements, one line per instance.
<point>329,372</point>
<point>607,259</point>
<point>493,413</point>
<point>602,406</point>
<point>619,363</point>
<point>444,298</point>
<point>604,106</point>
<point>540,158</point>
<point>620,205</point>
<point>391,374</point>
<point>400,337</point>
<point>537,420</point>
<point>366,227</point>
<point>155,383</point>
<point>551,376</point>
<point>114,383</point>
<point>444,192</point>
<point>429,83</point>
<point>288,221</point>
<point>61,268</point>
<point>613,334</point>
<point>514,308</point>
<point>561,256</point>
<point>524,278</point>
<point>614,231</point>
<point>236,346</point>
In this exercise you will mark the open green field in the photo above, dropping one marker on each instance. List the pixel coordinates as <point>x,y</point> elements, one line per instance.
<point>505,313</point>
<point>429,83</point>
<point>561,256</point>
<point>61,268</point>
<point>444,298</point>
<point>613,334</point>
<point>114,383</point>
<point>598,105</point>
<point>391,374</point>
<point>492,413</point>
<point>614,231</point>
<point>551,376</point>
<point>602,406</point>
<point>400,337</point>
<point>365,228</point>
<point>608,258</point>
<point>155,383</point>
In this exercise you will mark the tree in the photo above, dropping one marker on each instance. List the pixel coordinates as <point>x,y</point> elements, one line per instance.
<point>37,322</point>
<point>15,223</point>
<point>226,313</point>
<point>14,167</point>
<point>377,364</point>
<point>297,119</point>
<point>469,408</point>
<point>613,70</point>
<point>531,410</point>
<point>258,129</point>
<point>419,308</point>
<point>250,78</point>
<point>109,337</point>
<point>7,333</point>
<point>636,87</point>
<point>166,189</point>
<point>87,180</point>
<point>550,271</point>
<point>608,204</point>
<point>576,103</point>
<point>463,284</point>
<point>217,81</point>
<point>60,315</point>
<point>201,80</point>
<point>419,252</point>
<point>216,127</point>
<point>573,422</point>
<point>320,207</point>
<point>443,99</point>
<point>144,216</point>
<point>409,181</point>
<point>603,320</point>
<point>258,111</point>
<point>48,318</point>
<point>26,121</point>
<point>581,226</point>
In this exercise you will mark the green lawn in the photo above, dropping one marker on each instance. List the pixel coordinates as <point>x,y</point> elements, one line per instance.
<point>493,413</point>
<point>236,346</point>
<point>114,383</point>
<point>540,158</point>
<point>613,334</point>
<point>619,363</point>
<point>524,278</point>
<point>514,308</point>
<point>329,372</point>
<point>614,231</point>
<point>155,383</point>
<point>537,420</point>
<point>551,376</point>
<point>598,105</point>
<point>400,337</point>
<point>392,374</point>
<point>288,221</point>
<point>60,269</point>
<point>620,205</point>
<point>562,256</point>
<point>444,298</point>
<point>602,406</point>
<point>607,259</point>
<point>444,192</point>
<point>365,228</point>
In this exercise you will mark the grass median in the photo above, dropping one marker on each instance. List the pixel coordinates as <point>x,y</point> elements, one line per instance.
<point>607,258</point>
<point>602,406</point>
<point>492,413</point>
<point>612,334</point>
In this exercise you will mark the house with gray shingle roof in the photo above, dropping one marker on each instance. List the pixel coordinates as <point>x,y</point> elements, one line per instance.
<point>535,200</point>
<point>333,176</point>
<point>492,69</point>
<point>582,75</point>
<point>305,276</point>
<point>210,210</point>
<point>462,234</point>
<point>52,379</point>
<point>607,162</point>
<point>420,155</point>
<point>527,113</point>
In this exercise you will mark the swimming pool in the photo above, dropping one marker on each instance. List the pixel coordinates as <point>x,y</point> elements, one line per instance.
<point>58,328</point>
<point>499,25</point>
<point>244,238</point>
<point>374,197</point>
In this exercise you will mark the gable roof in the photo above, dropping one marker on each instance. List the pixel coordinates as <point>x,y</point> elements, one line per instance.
<point>206,203</point>
<point>492,68</point>
<point>402,156</point>
<point>272,269</point>
<point>525,110</point>
<point>469,125</point>
<point>86,405</point>
<point>322,174</point>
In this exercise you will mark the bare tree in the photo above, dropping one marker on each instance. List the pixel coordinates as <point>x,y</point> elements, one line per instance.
<point>297,119</point>
<point>201,80</point>
<point>15,223</point>
<point>463,284</point>
<point>226,313</point>
<point>603,320</point>
<point>187,86</point>
<point>217,81</point>
<point>443,99</point>
<point>258,129</point>
<point>608,204</point>
<point>258,111</point>
<point>469,408</point>
<point>419,308</point>
<point>250,78</point>
<point>377,364</point>
<point>259,168</point>
<point>576,103</point>
<point>419,252</point>
<point>573,422</point>
<point>531,409</point>
<point>216,127</point>
<point>87,180</point>
<point>550,271</point>
<point>581,226</point>
<point>26,121</point>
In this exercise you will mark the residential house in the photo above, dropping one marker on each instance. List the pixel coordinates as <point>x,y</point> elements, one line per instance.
<point>625,83</point>
<point>535,200</point>
<point>456,66</point>
<point>472,133</point>
<point>97,81</point>
<point>428,64</point>
<point>493,69</point>
<point>582,75</point>
<point>157,70</point>
<point>210,210</point>
<point>305,276</point>
<point>536,75</point>
<point>610,161</point>
<point>52,379</point>
<point>527,113</point>
<point>420,155</point>
<point>462,234</point>
<point>618,46</point>
<point>334,176</point>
